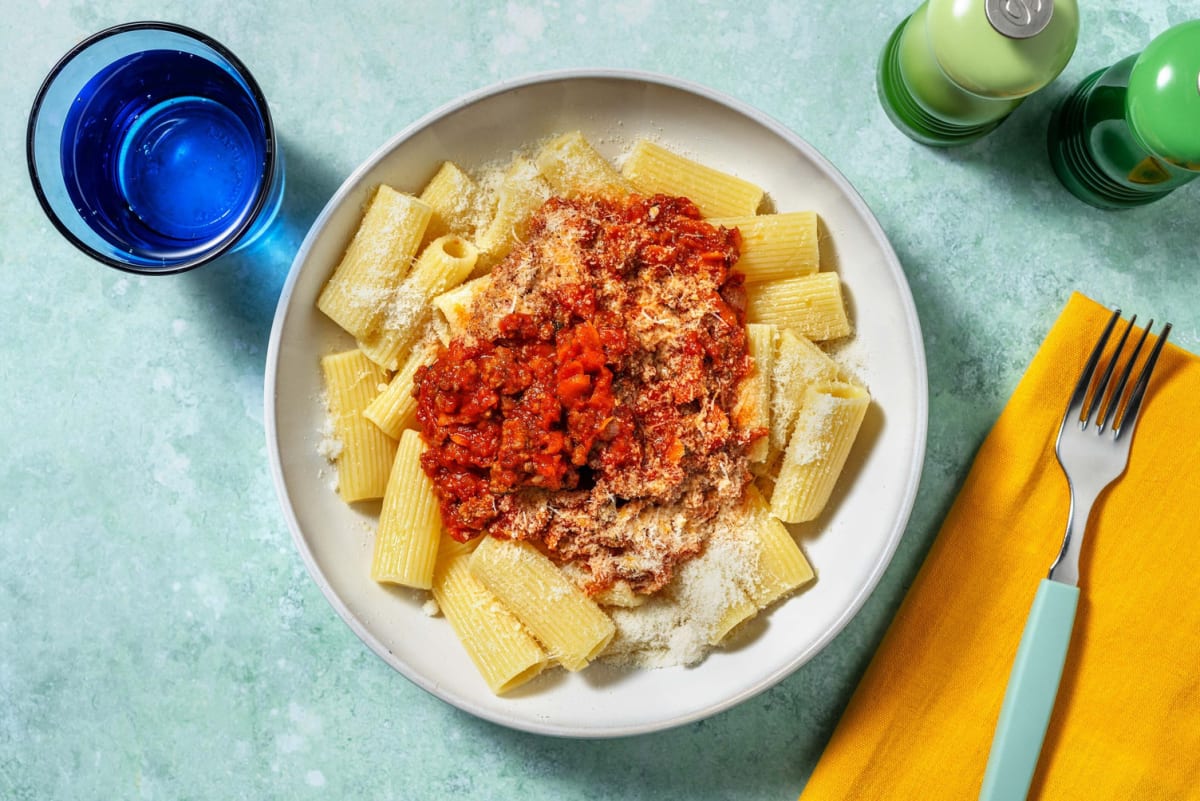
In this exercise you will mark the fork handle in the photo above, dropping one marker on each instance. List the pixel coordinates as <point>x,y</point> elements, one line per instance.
<point>1029,698</point>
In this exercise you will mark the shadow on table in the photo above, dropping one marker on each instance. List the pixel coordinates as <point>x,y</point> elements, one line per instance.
<point>239,292</point>
<point>1017,162</point>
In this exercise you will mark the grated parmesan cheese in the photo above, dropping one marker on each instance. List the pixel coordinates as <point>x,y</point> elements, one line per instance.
<point>676,626</point>
<point>851,357</point>
<point>329,446</point>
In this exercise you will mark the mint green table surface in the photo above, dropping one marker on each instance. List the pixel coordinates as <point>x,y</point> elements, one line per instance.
<point>159,636</point>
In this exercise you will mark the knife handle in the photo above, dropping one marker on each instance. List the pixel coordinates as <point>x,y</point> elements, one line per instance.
<point>1029,698</point>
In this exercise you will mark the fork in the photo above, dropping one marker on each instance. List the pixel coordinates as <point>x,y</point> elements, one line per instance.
<point>1093,450</point>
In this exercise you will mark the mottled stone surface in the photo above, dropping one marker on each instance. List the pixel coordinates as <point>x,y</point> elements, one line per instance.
<point>159,636</point>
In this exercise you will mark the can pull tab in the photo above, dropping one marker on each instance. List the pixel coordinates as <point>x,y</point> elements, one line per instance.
<point>1019,19</point>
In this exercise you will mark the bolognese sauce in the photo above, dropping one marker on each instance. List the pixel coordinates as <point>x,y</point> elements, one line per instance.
<point>590,405</point>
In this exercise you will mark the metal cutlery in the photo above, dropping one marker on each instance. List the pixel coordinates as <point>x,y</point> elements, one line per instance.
<point>1093,450</point>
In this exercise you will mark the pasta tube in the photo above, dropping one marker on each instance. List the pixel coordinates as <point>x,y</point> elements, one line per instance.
<point>776,246</point>
<point>521,192</point>
<point>753,409</point>
<point>365,458</point>
<point>739,607</point>
<point>395,409</point>
<point>444,263</point>
<point>810,305</point>
<point>652,169</point>
<point>452,198</point>
<point>502,650</point>
<point>798,364</point>
<point>454,305</point>
<point>568,624</point>
<point>572,167</point>
<point>781,566</point>
<point>379,256</point>
<point>406,542</point>
<point>448,547</point>
<point>820,443</point>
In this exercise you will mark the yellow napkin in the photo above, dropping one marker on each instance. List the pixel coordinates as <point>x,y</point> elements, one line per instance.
<point>1127,722</point>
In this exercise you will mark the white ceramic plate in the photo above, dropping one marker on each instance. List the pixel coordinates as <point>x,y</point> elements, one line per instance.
<point>849,546</point>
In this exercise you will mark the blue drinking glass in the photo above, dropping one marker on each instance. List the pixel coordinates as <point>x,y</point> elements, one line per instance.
<point>151,148</point>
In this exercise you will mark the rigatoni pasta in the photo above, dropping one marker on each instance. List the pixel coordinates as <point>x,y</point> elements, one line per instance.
<point>797,365</point>
<point>568,624</point>
<point>772,565</point>
<point>365,454</point>
<point>378,258</point>
<point>518,605</point>
<point>454,306</point>
<point>406,541</point>
<point>444,263</point>
<point>452,197</point>
<point>734,605</point>
<point>572,167</point>
<point>825,429</point>
<point>653,169</point>
<point>448,547</point>
<point>505,654</point>
<point>811,305</point>
<point>395,409</point>
<point>522,190</point>
<point>776,246</point>
<point>780,566</point>
<point>757,389</point>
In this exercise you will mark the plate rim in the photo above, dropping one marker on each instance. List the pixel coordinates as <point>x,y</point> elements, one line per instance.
<point>912,331</point>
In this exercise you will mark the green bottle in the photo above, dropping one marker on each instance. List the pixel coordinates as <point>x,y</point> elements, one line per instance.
<point>955,69</point>
<point>1130,134</point>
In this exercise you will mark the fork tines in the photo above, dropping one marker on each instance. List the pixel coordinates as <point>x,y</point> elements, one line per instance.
<point>1114,405</point>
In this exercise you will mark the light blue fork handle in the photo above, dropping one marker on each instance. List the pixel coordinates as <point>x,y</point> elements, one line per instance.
<point>1029,699</point>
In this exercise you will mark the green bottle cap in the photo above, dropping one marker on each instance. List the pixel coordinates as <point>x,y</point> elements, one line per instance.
<point>1000,58</point>
<point>1162,104</point>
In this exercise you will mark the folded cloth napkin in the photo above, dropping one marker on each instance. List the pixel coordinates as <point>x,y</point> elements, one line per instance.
<point>1127,721</point>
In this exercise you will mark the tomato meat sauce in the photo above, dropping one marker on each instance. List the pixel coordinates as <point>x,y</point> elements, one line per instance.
<point>589,406</point>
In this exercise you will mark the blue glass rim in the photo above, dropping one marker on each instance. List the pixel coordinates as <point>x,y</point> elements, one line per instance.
<point>260,102</point>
